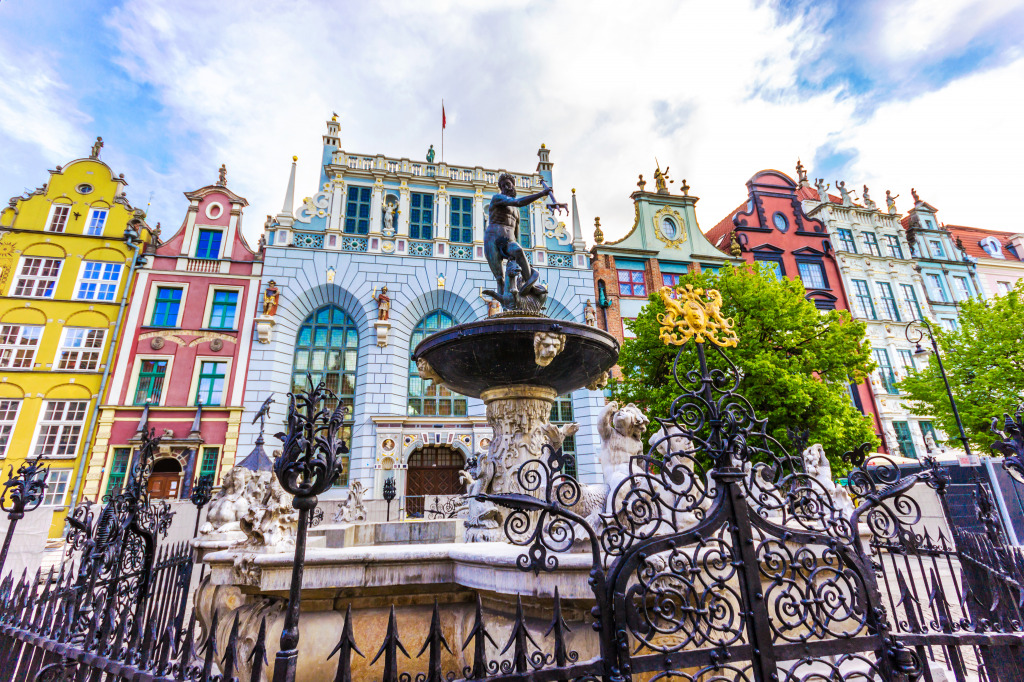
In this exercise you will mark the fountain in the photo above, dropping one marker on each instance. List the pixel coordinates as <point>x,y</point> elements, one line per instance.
<point>517,362</point>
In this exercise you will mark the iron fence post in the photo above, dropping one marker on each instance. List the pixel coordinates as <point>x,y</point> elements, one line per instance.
<point>23,492</point>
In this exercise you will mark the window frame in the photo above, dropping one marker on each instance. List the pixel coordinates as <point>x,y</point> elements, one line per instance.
<point>671,279</point>
<point>631,283</point>
<point>211,296</point>
<point>57,482</point>
<point>154,296</point>
<point>205,230</point>
<point>88,228</point>
<point>626,333</point>
<point>871,243</point>
<point>100,283</point>
<point>912,301</point>
<point>137,374</point>
<point>63,348</point>
<point>889,384</point>
<point>116,474</point>
<point>889,304</point>
<point>962,283</point>
<point>52,216</point>
<point>25,362</point>
<point>199,375</point>
<point>440,395</point>
<point>458,231</point>
<point>938,279</point>
<point>421,218</point>
<point>557,417</point>
<point>937,249</point>
<point>52,280</point>
<point>847,239</point>
<point>63,425</point>
<point>525,234</point>
<point>905,439</point>
<point>894,246</point>
<point>776,261</point>
<point>355,207</point>
<point>8,423</point>
<point>820,268</point>
<point>348,341</point>
<point>860,298</point>
<point>201,469</point>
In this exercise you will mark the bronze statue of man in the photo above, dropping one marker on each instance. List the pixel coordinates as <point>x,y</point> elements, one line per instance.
<point>501,237</point>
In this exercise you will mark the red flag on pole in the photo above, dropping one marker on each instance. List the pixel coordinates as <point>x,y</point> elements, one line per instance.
<point>444,119</point>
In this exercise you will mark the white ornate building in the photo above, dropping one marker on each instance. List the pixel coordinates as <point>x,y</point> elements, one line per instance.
<point>885,289</point>
<point>415,226</point>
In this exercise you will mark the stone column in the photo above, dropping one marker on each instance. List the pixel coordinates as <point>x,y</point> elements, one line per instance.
<point>518,415</point>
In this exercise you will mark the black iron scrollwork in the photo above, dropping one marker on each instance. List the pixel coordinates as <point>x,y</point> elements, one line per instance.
<point>23,492</point>
<point>1011,443</point>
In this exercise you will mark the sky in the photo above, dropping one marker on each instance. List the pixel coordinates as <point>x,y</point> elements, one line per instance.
<point>893,94</point>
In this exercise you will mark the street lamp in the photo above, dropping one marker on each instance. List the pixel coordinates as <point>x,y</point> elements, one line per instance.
<point>915,336</point>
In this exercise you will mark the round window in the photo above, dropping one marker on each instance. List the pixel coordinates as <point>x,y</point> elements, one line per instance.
<point>214,210</point>
<point>669,229</point>
<point>781,224</point>
<point>84,188</point>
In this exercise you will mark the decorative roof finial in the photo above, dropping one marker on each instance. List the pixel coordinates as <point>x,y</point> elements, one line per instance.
<point>334,115</point>
<point>95,154</point>
<point>801,174</point>
<point>222,178</point>
<point>685,188</point>
<point>598,234</point>
<point>641,183</point>
<point>734,247</point>
<point>913,193</point>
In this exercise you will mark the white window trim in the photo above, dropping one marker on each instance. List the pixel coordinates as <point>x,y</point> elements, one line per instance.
<point>61,347</point>
<point>208,310</point>
<point>81,277</point>
<point>20,274</point>
<point>147,318</point>
<point>133,381</point>
<point>626,334</point>
<point>14,424</point>
<point>49,217</point>
<point>67,487</point>
<point>194,385</point>
<point>88,220</point>
<point>39,426</point>
<point>39,341</point>
<point>211,228</point>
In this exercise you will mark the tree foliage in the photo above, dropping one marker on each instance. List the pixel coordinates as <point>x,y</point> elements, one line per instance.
<point>795,361</point>
<point>984,361</point>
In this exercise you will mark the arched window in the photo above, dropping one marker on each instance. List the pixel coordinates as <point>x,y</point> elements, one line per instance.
<point>427,399</point>
<point>326,347</point>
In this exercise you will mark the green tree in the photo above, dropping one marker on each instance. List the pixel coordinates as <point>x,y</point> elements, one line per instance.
<point>984,361</point>
<point>795,361</point>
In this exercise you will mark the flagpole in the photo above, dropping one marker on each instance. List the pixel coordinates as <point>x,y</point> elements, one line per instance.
<point>442,130</point>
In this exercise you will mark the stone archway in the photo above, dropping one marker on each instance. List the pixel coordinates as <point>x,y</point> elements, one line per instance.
<point>165,481</point>
<point>432,470</point>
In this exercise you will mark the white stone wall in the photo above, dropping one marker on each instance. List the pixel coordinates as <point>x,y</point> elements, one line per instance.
<point>382,379</point>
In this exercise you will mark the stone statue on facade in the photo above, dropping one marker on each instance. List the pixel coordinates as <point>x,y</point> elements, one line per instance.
<point>930,444</point>
<point>822,188</point>
<point>229,505</point>
<point>95,153</point>
<point>388,211</point>
<point>867,199</point>
<point>430,154</point>
<point>841,186</point>
<point>913,193</point>
<point>354,508</point>
<point>383,304</point>
<point>817,466</point>
<point>641,183</point>
<point>590,314</point>
<point>892,443</point>
<point>222,176</point>
<point>501,245</point>
<point>270,523</point>
<point>661,180</point>
<point>270,299</point>
<point>801,174</point>
<point>890,202</point>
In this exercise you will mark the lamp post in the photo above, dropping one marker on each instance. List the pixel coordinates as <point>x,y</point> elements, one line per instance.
<point>915,336</point>
<point>389,493</point>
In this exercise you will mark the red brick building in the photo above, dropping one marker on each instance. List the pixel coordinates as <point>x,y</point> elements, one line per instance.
<point>771,228</point>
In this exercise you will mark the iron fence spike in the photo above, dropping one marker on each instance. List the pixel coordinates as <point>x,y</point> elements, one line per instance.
<point>479,636</point>
<point>346,645</point>
<point>185,648</point>
<point>210,648</point>
<point>435,640</point>
<point>519,637</point>
<point>559,627</point>
<point>230,651</point>
<point>258,658</point>
<point>392,644</point>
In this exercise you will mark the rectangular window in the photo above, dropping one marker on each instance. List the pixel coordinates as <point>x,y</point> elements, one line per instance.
<point>56,487</point>
<point>631,283</point>
<point>889,308</point>
<point>670,279</point>
<point>937,250</point>
<point>8,418</point>
<point>885,370</point>
<point>209,463</point>
<point>461,219</point>
<point>846,238</point>
<point>962,288</point>
<point>936,289</point>
<point>99,281</point>
<point>165,308</point>
<point>871,243</point>
<point>60,428</point>
<point>80,349</point>
<point>1003,287</point>
<point>150,385</point>
<point>209,244</point>
<point>222,314</point>
<point>97,221</point>
<point>211,383</point>
<point>561,413</point>
<point>926,428</point>
<point>892,243</point>
<point>910,298</point>
<point>38,277</point>
<point>626,332</point>
<point>421,216</point>
<point>862,303</point>
<point>907,358</point>
<point>60,218</point>
<point>813,275</point>
<point>357,210</point>
<point>773,265</point>
<point>525,232</point>
<point>118,469</point>
<point>905,440</point>
<point>18,345</point>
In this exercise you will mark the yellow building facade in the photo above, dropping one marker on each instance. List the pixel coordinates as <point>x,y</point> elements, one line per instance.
<point>68,252</point>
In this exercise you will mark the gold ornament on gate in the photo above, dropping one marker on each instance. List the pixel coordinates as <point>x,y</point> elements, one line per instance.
<point>694,313</point>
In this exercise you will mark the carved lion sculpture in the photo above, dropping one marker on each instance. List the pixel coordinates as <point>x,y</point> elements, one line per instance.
<point>547,346</point>
<point>230,505</point>
<point>427,372</point>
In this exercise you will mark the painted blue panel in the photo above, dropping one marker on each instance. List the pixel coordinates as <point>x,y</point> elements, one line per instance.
<point>668,266</point>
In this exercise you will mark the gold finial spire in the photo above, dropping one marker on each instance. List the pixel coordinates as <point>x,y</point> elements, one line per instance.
<point>598,234</point>
<point>694,313</point>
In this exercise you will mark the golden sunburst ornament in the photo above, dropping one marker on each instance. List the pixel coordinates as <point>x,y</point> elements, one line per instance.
<point>695,313</point>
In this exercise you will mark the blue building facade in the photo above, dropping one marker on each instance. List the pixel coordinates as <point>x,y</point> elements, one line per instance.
<point>416,227</point>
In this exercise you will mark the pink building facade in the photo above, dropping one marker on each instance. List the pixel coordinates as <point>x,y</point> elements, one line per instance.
<point>182,361</point>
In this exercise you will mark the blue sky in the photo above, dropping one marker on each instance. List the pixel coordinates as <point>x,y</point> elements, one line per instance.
<point>898,94</point>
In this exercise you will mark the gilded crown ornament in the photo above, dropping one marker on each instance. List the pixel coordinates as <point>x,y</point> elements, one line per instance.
<point>694,313</point>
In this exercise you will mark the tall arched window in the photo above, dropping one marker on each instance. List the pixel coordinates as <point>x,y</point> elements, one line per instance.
<point>427,399</point>
<point>326,347</point>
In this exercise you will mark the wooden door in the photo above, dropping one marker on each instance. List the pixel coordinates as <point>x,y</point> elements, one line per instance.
<point>164,485</point>
<point>433,470</point>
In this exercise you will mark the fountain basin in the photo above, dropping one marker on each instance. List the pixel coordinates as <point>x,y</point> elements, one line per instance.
<point>503,351</point>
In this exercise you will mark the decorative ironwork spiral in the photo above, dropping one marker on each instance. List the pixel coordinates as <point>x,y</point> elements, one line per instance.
<point>311,456</point>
